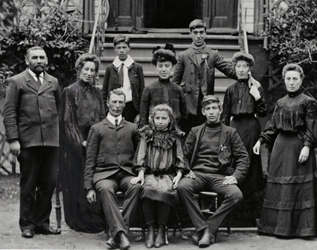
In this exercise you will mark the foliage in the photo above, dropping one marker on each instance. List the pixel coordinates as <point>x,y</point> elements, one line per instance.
<point>52,28</point>
<point>293,37</point>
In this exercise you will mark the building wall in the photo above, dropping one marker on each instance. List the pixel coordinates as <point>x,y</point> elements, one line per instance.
<point>249,6</point>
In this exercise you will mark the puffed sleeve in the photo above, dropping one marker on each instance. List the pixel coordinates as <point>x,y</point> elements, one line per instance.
<point>269,133</point>
<point>73,134</point>
<point>139,161</point>
<point>145,107</point>
<point>180,163</point>
<point>260,105</point>
<point>310,122</point>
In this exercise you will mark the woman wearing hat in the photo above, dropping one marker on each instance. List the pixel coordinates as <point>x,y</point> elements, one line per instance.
<point>163,90</point>
<point>244,102</point>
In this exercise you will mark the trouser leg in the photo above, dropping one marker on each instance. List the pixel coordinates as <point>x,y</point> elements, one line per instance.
<point>186,190</point>
<point>107,189</point>
<point>231,197</point>
<point>131,199</point>
<point>46,185</point>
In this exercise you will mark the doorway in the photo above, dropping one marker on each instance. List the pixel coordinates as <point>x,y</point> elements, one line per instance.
<point>170,14</point>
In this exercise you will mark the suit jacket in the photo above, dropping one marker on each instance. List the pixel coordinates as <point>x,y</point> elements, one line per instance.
<point>110,82</point>
<point>31,113</point>
<point>109,149</point>
<point>187,71</point>
<point>232,155</point>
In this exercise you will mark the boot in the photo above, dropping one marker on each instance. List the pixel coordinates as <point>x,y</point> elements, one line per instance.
<point>150,236</point>
<point>124,241</point>
<point>160,237</point>
<point>205,239</point>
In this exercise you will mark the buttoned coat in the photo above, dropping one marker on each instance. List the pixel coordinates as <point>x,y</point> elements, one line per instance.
<point>31,113</point>
<point>232,155</point>
<point>136,77</point>
<point>187,71</point>
<point>109,149</point>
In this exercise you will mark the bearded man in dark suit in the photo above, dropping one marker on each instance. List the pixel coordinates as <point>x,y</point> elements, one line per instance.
<point>31,114</point>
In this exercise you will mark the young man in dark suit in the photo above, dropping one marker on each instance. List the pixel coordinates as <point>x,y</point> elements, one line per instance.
<point>31,114</point>
<point>219,162</point>
<point>126,74</point>
<point>195,73</point>
<point>110,150</point>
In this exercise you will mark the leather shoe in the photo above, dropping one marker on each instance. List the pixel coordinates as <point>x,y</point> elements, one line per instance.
<point>196,237</point>
<point>47,230</point>
<point>27,233</point>
<point>112,243</point>
<point>124,241</point>
<point>205,239</point>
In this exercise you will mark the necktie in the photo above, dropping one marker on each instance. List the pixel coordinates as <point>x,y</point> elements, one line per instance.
<point>116,122</point>
<point>120,78</point>
<point>38,81</point>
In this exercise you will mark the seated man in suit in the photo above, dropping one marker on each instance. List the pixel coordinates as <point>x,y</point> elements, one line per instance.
<point>218,161</point>
<point>110,151</point>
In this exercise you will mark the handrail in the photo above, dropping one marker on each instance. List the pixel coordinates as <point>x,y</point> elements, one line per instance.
<point>244,37</point>
<point>95,29</point>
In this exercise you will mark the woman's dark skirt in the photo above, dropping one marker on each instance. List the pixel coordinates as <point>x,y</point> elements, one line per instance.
<point>289,207</point>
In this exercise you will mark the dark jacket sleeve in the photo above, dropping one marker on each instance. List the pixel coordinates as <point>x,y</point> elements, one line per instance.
<point>189,148</point>
<point>145,107</point>
<point>92,151</point>
<point>224,66</point>
<point>10,113</point>
<point>241,157</point>
<point>179,70</point>
<point>141,81</point>
<point>182,105</point>
<point>226,108</point>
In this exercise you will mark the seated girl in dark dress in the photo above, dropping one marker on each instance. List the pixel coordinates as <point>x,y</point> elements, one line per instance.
<point>159,161</point>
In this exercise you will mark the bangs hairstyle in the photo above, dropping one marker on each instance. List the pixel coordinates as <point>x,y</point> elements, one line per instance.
<point>86,58</point>
<point>163,55</point>
<point>121,39</point>
<point>211,99</point>
<point>168,110</point>
<point>242,56</point>
<point>293,67</point>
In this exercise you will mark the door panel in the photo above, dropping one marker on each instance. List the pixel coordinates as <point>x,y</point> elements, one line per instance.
<point>224,13</point>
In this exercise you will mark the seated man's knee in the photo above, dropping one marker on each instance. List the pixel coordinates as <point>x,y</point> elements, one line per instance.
<point>184,186</point>
<point>237,196</point>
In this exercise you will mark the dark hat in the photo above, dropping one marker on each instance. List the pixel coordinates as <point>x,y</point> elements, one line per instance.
<point>164,54</point>
<point>238,56</point>
<point>210,99</point>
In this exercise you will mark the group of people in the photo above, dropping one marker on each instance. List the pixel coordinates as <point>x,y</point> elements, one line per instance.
<point>161,144</point>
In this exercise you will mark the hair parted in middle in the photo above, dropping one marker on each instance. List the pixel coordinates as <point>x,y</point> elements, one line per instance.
<point>164,54</point>
<point>242,56</point>
<point>293,67</point>
<point>168,110</point>
<point>86,57</point>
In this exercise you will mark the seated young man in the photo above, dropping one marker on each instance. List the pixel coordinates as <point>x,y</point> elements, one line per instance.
<point>219,162</point>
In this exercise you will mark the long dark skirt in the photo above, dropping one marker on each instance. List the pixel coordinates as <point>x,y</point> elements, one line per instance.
<point>79,214</point>
<point>289,207</point>
<point>249,130</point>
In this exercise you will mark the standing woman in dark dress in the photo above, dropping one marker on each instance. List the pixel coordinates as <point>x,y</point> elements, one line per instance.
<point>82,108</point>
<point>289,207</point>
<point>244,103</point>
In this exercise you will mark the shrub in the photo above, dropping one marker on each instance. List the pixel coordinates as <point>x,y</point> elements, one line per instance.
<point>51,27</point>
<point>293,38</point>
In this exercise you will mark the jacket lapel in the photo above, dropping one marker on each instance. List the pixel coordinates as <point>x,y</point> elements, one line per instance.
<point>30,81</point>
<point>223,137</point>
<point>192,56</point>
<point>46,84</point>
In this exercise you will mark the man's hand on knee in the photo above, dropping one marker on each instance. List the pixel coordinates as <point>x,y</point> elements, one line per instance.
<point>230,180</point>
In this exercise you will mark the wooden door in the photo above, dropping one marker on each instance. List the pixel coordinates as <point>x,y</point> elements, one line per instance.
<point>223,13</point>
<point>122,13</point>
